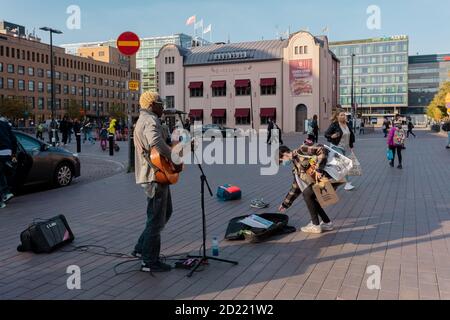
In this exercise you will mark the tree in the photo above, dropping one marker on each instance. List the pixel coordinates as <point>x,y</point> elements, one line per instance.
<point>74,110</point>
<point>14,108</point>
<point>116,112</point>
<point>437,109</point>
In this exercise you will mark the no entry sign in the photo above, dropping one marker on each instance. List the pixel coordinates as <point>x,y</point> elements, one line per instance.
<point>128,43</point>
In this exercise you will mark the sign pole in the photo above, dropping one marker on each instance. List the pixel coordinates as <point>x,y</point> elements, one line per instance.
<point>128,44</point>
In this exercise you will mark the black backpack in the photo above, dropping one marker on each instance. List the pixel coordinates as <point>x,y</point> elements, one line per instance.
<point>46,236</point>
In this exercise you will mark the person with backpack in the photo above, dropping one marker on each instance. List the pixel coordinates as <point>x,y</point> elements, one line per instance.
<point>410,129</point>
<point>396,142</point>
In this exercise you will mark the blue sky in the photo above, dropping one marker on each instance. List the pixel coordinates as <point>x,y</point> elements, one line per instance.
<point>426,22</point>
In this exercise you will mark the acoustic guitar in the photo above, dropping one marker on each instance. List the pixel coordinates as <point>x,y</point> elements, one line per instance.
<point>166,171</point>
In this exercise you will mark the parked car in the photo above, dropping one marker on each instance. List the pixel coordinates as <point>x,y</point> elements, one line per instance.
<point>214,130</point>
<point>41,163</point>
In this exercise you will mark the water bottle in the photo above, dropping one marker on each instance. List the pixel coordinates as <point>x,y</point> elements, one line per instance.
<point>215,247</point>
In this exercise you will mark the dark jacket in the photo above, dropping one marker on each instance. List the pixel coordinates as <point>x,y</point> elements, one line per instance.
<point>8,140</point>
<point>336,128</point>
<point>315,127</point>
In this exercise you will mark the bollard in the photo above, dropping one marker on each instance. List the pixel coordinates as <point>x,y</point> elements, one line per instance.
<point>78,137</point>
<point>131,157</point>
<point>111,144</point>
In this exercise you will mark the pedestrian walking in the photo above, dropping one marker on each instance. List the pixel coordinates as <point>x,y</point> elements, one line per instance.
<point>362,128</point>
<point>315,126</point>
<point>410,129</point>
<point>341,137</point>
<point>8,151</point>
<point>396,142</point>
<point>386,126</point>
<point>446,128</point>
<point>40,131</point>
<point>64,129</point>
<point>270,127</point>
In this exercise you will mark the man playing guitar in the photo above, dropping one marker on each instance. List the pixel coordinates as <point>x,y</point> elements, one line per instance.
<point>149,139</point>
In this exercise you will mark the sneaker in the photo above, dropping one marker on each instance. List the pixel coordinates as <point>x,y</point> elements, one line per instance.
<point>259,204</point>
<point>400,167</point>
<point>327,226</point>
<point>136,254</point>
<point>391,163</point>
<point>447,147</point>
<point>311,228</point>
<point>155,267</point>
<point>349,187</point>
<point>2,205</point>
<point>8,197</point>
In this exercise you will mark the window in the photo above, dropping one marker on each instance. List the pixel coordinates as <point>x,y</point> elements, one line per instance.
<point>268,86</point>
<point>301,50</point>
<point>40,73</point>
<point>170,102</point>
<point>243,121</point>
<point>66,89</point>
<point>21,70</point>
<point>10,68</point>
<point>305,50</point>
<point>296,50</point>
<point>21,85</point>
<point>41,103</point>
<point>219,92</point>
<point>243,91</point>
<point>10,83</point>
<point>31,86</point>
<point>1,66</point>
<point>1,83</point>
<point>197,93</point>
<point>32,102</point>
<point>170,78</point>
<point>65,76</point>
<point>80,91</point>
<point>40,87</point>
<point>49,88</point>
<point>31,72</point>
<point>58,89</point>
<point>73,90</point>
<point>28,143</point>
<point>73,77</point>
<point>49,74</point>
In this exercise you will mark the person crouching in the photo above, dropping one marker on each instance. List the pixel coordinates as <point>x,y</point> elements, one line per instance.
<point>308,163</point>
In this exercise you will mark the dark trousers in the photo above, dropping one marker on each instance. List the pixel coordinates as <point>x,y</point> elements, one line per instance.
<point>398,151</point>
<point>410,132</point>
<point>4,188</point>
<point>65,136</point>
<point>159,211</point>
<point>314,207</point>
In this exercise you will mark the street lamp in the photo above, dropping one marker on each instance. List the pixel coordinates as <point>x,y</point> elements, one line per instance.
<point>52,76</point>
<point>353,86</point>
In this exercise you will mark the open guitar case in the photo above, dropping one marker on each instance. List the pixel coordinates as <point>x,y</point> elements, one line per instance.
<point>238,231</point>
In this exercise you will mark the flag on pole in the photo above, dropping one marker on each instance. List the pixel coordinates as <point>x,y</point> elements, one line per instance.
<point>207,29</point>
<point>191,20</point>
<point>199,24</point>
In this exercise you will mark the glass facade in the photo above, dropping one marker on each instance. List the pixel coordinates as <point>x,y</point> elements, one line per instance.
<point>426,74</point>
<point>380,74</point>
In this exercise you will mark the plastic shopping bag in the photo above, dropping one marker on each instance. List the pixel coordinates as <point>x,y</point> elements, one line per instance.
<point>338,165</point>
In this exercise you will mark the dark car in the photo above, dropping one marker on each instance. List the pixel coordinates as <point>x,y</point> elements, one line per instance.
<point>214,130</point>
<point>41,163</point>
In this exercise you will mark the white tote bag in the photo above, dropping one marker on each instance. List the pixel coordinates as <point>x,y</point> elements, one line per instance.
<point>338,165</point>
<point>357,169</point>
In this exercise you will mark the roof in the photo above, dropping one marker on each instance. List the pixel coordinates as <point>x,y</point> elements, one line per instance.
<point>254,51</point>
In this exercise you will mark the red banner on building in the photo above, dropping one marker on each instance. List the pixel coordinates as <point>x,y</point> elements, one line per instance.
<point>301,77</point>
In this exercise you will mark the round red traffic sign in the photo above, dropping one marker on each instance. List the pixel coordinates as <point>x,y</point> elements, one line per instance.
<point>128,43</point>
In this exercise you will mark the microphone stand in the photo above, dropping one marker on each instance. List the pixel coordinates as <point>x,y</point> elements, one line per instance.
<point>204,258</point>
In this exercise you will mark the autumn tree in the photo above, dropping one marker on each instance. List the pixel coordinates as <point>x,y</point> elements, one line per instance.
<point>437,109</point>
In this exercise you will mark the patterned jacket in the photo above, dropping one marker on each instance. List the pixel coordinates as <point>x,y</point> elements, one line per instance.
<point>301,165</point>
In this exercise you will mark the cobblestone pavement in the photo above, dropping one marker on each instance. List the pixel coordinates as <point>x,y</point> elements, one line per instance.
<point>398,220</point>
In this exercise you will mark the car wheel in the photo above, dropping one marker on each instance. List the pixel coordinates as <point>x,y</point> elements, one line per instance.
<point>63,175</point>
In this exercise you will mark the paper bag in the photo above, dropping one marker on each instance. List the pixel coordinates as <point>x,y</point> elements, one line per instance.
<point>356,171</point>
<point>325,193</point>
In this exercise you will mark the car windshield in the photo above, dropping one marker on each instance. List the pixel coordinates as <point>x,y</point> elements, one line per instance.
<point>28,143</point>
